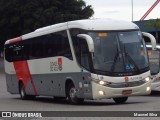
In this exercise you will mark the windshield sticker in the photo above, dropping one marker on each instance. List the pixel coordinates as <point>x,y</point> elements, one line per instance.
<point>129,67</point>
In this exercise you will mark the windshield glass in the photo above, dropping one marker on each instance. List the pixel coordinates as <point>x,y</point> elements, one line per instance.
<point>120,53</point>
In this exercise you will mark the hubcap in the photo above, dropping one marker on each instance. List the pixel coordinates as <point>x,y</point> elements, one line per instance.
<point>72,93</point>
<point>22,92</point>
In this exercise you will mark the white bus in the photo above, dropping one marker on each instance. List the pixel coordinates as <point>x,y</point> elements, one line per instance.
<point>154,60</point>
<point>77,60</point>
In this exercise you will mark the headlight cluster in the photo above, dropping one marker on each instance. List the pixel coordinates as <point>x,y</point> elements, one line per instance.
<point>100,82</point>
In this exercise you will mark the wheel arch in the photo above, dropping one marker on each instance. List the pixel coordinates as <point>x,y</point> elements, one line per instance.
<point>68,81</point>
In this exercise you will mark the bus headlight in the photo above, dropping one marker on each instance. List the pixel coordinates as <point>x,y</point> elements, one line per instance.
<point>147,79</point>
<point>101,82</point>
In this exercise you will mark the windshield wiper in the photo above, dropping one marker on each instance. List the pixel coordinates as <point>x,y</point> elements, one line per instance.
<point>131,60</point>
<point>115,60</point>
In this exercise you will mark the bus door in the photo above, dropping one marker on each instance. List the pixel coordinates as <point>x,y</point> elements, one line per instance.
<point>84,60</point>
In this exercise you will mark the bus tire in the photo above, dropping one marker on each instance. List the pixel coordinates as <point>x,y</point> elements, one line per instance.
<point>71,95</point>
<point>22,92</point>
<point>120,100</point>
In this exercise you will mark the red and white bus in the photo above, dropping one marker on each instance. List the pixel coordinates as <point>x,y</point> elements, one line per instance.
<point>83,59</point>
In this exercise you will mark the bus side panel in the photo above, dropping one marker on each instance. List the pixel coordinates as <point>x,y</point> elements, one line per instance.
<point>50,74</point>
<point>29,88</point>
<point>83,85</point>
<point>12,84</point>
<point>54,84</point>
<point>11,80</point>
<point>47,84</point>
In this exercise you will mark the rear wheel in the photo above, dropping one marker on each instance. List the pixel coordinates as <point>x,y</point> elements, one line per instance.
<point>71,95</point>
<point>23,94</point>
<point>120,100</point>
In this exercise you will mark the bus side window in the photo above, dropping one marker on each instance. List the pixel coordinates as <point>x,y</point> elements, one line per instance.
<point>18,52</point>
<point>8,53</point>
<point>57,44</point>
<point>50,45</point>
<point>77,50</point>
<point>37,47</point>
<point>82,52</point>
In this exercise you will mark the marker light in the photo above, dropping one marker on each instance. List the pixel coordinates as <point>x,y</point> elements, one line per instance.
<point>148,89</point>
<point>102,34</point>
<point>101,92</point>
<point>147,79</point>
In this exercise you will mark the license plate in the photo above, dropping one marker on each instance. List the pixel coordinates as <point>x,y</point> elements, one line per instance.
<point>126,92</point>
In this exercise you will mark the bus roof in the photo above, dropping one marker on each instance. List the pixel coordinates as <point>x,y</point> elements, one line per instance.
<point>102,24</point>
<point>87,24</point>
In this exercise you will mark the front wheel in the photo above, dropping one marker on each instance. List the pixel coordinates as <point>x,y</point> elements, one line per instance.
<point>120,100</point>
<point>71,95</point>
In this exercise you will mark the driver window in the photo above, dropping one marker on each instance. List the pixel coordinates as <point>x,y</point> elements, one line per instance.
<point>82,52</point>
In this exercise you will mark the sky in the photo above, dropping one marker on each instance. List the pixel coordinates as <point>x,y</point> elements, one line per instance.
<point>122,9</point>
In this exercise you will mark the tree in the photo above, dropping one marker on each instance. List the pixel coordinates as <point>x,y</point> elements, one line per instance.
<point>22,16</point>
<point>154,24</point>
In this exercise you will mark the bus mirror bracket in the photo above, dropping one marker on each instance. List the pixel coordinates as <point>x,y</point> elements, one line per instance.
<point>89,41</point>
<point>152,39</point>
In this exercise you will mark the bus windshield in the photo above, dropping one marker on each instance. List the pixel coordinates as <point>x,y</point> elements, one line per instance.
<point>119,53</point>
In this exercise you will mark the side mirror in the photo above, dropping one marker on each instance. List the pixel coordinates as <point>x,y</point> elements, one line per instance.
<point>152,39</point>
<point>89,41</point>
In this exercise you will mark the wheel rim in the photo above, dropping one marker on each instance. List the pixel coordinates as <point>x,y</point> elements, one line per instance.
<point>72,93</point>
<point>22,92</point>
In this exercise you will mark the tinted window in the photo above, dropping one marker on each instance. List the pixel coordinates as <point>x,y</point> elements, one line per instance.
<point>81,49</point>
<point>55,44</point>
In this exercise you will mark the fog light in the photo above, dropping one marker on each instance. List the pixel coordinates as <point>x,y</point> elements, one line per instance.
<point>148,89</point>
<point>101,92</point>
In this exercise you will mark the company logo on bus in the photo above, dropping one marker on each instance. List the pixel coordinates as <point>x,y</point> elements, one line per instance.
<point>60,63</point>
<point>126,78</point>
<point>56,65</point>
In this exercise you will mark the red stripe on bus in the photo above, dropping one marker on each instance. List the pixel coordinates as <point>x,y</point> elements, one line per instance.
<point>15,40</point>
<point>23,73</point>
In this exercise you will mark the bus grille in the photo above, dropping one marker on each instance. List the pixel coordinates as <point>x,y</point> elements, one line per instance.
<point>126,84</point>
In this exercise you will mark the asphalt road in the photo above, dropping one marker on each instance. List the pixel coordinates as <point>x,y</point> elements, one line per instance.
<point>9,102</point>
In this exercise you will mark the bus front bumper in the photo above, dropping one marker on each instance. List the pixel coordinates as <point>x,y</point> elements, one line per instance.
<point>103,92</point>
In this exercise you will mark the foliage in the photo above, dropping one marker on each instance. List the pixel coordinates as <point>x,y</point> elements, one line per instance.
<point>22,16</point>
<point>154,24</point>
